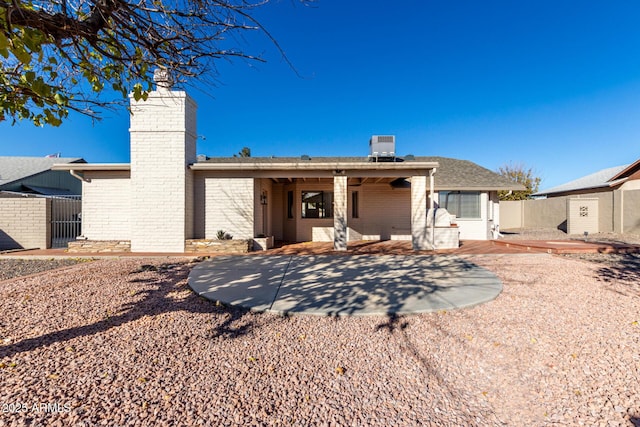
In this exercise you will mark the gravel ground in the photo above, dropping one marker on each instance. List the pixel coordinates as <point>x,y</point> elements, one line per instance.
<point>125,342</point>
<point>615,262</point>
<point>554,234</point>
<point>10,268</point>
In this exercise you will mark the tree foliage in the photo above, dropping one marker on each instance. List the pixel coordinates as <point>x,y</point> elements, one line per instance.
<point>520,174</point>
<point>245,152</point>
<point>60,55</point>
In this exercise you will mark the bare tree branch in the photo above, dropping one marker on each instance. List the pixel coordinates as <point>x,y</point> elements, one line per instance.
<point>60,55</point>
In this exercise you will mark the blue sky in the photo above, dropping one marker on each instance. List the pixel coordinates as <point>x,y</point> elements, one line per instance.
<point>554,85</point>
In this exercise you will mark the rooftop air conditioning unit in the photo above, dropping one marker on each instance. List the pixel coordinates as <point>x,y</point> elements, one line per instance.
<point>382,148</point>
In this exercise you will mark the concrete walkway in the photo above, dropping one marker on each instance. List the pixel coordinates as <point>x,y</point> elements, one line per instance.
<point>345,285</point>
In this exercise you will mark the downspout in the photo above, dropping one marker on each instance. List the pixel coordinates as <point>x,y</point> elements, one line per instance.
<point>78,176</point>
<point>433,207</point>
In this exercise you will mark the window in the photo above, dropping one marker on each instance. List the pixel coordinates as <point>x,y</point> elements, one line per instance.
<point>463,204</point>
<point>290,204</point>
<point>317,204</point>
<point>354,204</point>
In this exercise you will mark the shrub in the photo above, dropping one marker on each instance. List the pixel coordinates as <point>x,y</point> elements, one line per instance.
<point>223,235</point>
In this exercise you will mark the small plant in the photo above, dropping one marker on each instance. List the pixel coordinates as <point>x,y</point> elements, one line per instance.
<point>223,235</point>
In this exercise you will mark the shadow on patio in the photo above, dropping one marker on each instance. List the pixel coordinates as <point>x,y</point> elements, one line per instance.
<point>341,285</point>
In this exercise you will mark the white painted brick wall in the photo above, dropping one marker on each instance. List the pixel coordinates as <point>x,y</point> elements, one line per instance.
<point>24,223</point>
<point>106,206</point>
<point>419,213</point>
<point>229,206</point>
<point>340,196</point>
<point>384,211</point>
<point>163,144</point>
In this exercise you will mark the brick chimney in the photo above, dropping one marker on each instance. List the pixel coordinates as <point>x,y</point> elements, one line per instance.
<point>163,145</point>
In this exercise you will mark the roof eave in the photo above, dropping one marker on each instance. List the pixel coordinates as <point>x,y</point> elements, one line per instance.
<point>592,187</point>
<point>626,171</point>
<point>480,187</point>
<point>248,166</point>
<point>92,167</point>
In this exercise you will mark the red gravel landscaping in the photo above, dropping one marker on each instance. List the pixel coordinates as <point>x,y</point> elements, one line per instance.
<point>125,342</point>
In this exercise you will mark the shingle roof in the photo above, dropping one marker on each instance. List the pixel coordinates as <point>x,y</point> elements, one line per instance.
<point>452,174</point>
<point>17,168</point>
<point>455,174</point>
<point>599,179</point>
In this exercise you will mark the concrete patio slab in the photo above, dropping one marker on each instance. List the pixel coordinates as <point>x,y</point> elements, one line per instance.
<point>345,285</point>
<point>242,281</point>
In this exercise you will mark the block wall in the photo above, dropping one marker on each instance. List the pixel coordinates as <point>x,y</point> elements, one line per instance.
<point>552,212</point>
<point>631,212</point>
<point>24,223</point>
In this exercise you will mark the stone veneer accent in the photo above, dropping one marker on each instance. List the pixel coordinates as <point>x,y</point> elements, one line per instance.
<point>99,246</point>
<point>191,246</point>
<point>236,246</point>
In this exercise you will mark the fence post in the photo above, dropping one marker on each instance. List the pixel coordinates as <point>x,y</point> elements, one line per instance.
<point>47,224</point>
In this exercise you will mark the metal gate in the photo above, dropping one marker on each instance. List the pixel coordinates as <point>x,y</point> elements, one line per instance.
<point>66,220</point>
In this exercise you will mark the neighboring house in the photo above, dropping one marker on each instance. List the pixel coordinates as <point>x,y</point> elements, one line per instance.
<point>165,196</point>
<point>605,201</point>
<point>32,215</point>
<point>33,175</point>
<point>625,177</point>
